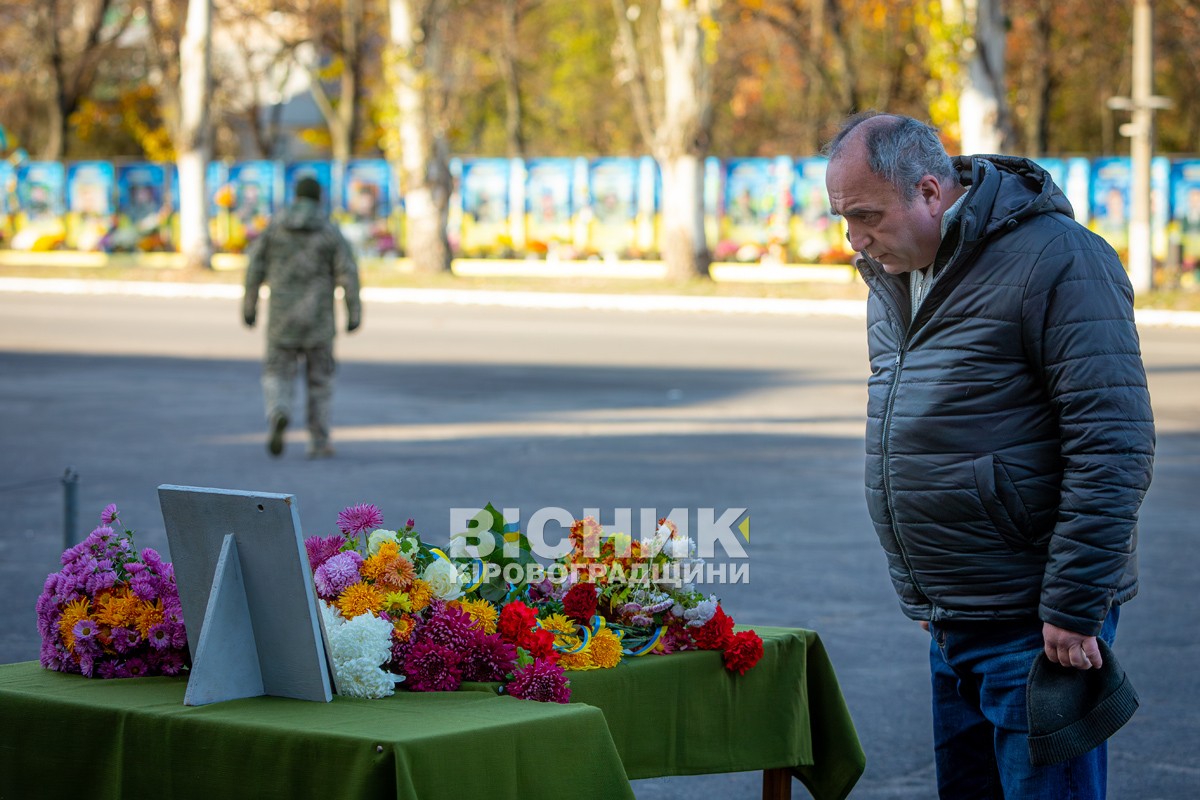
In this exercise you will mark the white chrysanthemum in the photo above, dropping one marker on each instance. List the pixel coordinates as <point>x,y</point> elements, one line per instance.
<point>359,677</point>
<point>360,647</point>
<point>701,613</point>
<point>365,636</point>
<point>679,547</point>
<point>409,547</point>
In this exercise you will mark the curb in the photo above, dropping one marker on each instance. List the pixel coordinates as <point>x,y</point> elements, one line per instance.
<point>1147,317</point>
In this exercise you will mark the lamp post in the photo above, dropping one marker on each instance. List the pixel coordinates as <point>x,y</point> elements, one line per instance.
<point>1140,130</point>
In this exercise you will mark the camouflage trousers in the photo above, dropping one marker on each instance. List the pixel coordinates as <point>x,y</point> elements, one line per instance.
<point>279,385</point>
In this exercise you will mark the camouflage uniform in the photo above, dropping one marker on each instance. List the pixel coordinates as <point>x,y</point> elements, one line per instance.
<point>302,256</point>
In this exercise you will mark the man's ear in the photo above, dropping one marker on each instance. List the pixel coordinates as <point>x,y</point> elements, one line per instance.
<point>929,191</point>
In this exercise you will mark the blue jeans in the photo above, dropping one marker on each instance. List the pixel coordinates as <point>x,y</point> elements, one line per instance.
<point>980,723</point>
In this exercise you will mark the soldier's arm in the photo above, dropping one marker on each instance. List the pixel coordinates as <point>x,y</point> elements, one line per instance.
<point>256,274</point>
<point>345,269</point>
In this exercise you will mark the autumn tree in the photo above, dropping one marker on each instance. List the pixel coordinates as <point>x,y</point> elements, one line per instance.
<point>71,38</point>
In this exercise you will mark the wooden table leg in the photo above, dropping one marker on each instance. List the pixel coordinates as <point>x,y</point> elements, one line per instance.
<point>777,784</point>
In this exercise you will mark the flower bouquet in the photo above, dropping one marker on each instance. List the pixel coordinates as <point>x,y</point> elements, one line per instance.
<point>111,612</point>
<point>394,606</point>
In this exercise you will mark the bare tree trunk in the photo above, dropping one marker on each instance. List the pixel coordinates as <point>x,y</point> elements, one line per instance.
<point>681,140</point>
<point>425,174</point>
<point>193,144</point>
<point>677,120</point>
<point>508,49</point>
<point>982,106</point>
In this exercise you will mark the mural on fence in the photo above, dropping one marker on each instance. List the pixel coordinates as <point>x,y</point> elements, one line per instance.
<point>765,210</point>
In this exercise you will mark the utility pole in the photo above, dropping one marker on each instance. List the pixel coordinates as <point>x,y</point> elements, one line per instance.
<point>1140,130</point>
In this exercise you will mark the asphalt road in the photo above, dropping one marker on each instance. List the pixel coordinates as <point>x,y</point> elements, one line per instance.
<point>440,407</point>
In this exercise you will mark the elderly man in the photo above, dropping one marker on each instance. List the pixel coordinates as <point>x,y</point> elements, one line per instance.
<point>1010,438</point>
<point>304,258</point>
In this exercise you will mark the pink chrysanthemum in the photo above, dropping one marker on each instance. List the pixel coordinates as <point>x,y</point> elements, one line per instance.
<point>321,548</point>
<point>542,680</point>
<point>359,519</point>
<point>432,668</point>
<point>336,574</point>
<point>109,515</point>
<point>489,658</point>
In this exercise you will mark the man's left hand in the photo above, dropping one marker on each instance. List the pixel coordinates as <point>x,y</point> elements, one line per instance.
<point>1071,649</point>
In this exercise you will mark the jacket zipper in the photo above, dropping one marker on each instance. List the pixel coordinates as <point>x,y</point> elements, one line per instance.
<point>897,365</point>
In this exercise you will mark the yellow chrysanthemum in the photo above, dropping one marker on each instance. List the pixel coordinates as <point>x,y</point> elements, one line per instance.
<point>397,601</point>
<point>358,599</point>
<point>483,614</point>
<point>577,662</point>
<point>149,615</point>
<point>73,613</point>
<point>557,623</point>
<point>605,649</point>
<point>419,595</point>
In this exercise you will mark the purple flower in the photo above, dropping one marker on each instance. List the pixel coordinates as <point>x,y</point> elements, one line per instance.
<point>489,658</point>
<point>85,631</point>
<point>432,668</point>
<point>100,580</point>
<point>159,636</point>
<point>125,639</point>
<point>110,669</point>
<point>321,548</point>
<point>136,668</point>
<point>170,662</point>
<point>541,680</point>
<point>109,515</point>
<point>449,627</point>
<point>152,560</point>
<point>338,572</point>
<point>359,519</point>
<point>145,585</point>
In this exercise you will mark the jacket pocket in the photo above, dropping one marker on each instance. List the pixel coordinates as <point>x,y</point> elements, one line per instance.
<point>1001,502</point>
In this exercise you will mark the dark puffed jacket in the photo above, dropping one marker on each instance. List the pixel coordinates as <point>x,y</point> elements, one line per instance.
<point>1010,439</point>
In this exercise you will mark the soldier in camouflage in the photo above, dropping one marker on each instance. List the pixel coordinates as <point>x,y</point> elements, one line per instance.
<point>303,257</point>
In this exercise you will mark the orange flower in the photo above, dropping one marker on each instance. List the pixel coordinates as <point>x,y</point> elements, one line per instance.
<point>419,594</point>
<point>148,615</point>
<point>358,599</point>
<point>75,611</point>
<point>403,627</point>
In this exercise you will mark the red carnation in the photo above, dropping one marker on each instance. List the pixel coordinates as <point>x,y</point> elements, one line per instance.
<point>743,652</point>
<point>716,633</point>
<point>580,603</point>
<point>516,618</point>
<point>540,643</point>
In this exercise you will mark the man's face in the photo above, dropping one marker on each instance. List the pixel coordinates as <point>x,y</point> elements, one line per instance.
<point>900,234</point>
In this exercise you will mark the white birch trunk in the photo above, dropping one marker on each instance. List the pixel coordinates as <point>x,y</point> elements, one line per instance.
<point>982,106</point>
<point>194,140</point>
<point>681,138</point>
<point>425,173</point>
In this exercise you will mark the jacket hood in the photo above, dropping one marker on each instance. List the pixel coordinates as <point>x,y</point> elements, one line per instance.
<point>1004,191</point>
<point>304,214</point>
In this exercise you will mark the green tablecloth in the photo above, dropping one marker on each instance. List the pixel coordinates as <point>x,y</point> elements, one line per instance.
<point>68,736</point>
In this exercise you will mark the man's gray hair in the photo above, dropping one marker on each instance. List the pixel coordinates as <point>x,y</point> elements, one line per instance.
<point>901,150</point>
